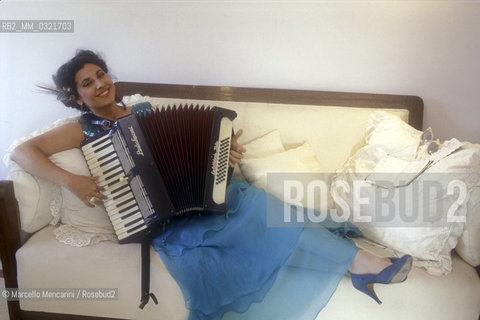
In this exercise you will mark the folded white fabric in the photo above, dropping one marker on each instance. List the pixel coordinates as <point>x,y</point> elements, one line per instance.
<point>424,218</point>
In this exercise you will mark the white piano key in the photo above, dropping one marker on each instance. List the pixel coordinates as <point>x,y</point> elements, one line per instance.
<point>94,163</point>
<point>116,174</point>
<point>111,204</point>
<point>93,143</point>
<point>117,207</point>
<point>122,223</point>
<point>124,206</point>
<point>96,144</point>
<point>88,152</point>
<point>125,229</point>
<point>124,235</point>
<point>113,185</point>
<point>120,186</point>
<point>120,193</point>
<point>117,216</point>
<point>117,193</point>
<point>96,155</point>
<point>120,178</point>
<point>99,170</point>
<point>101,159</point>
<point>125,220</point>
<point>112,198</point>
<point>119,219</point>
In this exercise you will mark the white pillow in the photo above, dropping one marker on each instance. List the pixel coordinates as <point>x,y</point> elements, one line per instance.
<point>41,201</point>
<point>36,197</point>
<point>468,246</point>
<point>430,245</point>
<point>265,145</point>
<point>74,212</point>
<point>467,160</point>
<point>299,164</point>
<point>392,135</point>
<point>384,135</point>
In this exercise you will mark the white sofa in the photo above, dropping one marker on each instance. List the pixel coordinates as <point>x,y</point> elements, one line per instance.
<point>283,124</point>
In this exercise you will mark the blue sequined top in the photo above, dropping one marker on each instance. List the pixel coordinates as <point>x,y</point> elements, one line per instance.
<point>93,125</point>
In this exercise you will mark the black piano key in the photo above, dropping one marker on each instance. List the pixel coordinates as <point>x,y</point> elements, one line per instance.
<point>133,222</point>
<point>106,156</point>
<point>111,169</point>
<point>113,175</point>
<point>123,203</point>
<point>98,169</point>
<point>103,147</point>
<point>113,182</point>
<point>108,161</point>
<point>100,141</point>
<point>119,189</point>
<point>130,231</point>
<point>121,195</point>
<point>127,208</point>
<point>130,214</point>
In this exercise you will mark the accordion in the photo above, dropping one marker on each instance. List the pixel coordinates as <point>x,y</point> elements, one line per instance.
<point>156,165</point>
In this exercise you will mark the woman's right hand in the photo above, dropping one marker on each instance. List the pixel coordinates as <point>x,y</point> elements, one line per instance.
<point>33,154</point>
<point>86,189</point>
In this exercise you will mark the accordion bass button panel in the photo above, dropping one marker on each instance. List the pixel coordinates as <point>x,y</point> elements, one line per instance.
<point>220,164</point>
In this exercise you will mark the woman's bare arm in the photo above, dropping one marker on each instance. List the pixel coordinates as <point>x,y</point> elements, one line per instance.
<point>33,154</point>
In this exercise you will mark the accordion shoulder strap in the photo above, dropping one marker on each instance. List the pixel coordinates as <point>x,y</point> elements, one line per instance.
<point>146,294</point>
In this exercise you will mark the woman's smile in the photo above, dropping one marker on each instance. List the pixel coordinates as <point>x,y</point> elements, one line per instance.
<point>104,93</point>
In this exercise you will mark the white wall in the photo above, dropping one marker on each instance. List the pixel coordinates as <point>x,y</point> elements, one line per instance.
<point>425,48</point>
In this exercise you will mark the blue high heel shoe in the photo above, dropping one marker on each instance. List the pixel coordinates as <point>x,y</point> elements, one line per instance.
<point>396,272</point>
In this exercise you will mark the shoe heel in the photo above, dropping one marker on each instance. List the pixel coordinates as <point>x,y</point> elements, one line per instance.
<point>396,272</point>
<point>372,293</point>
<point>362,284</point>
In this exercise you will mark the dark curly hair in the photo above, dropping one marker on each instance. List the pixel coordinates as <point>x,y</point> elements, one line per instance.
<point>65,77</point>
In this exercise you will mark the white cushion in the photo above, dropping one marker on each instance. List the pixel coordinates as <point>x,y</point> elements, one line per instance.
<point>429,243</point>
<point>34,197</point>
<point>43,262</point>
<point>270,172</point>
<point>37,198</point>
<point>265,145</point>
<point>392,135</point>
<point>74,211</point>
<point>42,202</point>
<point>468,246</point>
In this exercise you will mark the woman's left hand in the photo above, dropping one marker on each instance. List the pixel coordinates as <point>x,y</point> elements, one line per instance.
<point>237,150</point>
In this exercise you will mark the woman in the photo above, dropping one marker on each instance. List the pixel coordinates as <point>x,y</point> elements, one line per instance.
<point>223,264</point>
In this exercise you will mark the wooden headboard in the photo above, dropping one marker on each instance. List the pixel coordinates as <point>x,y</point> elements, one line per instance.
<point>413,104</point>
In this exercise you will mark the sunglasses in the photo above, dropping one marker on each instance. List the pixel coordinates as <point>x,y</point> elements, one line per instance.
<point>432,147</point>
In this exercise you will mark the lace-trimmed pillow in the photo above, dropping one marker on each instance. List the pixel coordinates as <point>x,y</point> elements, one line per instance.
<point>37,198</point>
<point>42,202</point>
<point>86,225</point>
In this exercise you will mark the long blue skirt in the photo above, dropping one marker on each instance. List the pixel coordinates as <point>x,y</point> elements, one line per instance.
<point>236,266</point>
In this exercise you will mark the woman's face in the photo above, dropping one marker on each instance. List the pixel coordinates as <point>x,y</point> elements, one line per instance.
<point>94,86</point>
